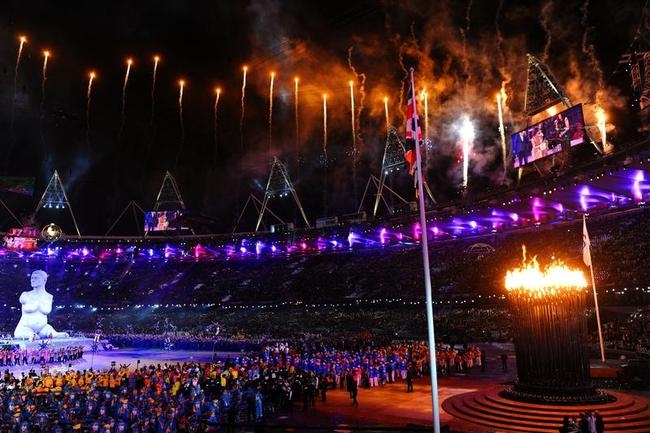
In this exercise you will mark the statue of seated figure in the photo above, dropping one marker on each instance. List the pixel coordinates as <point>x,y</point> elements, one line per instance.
<point>36,305</point>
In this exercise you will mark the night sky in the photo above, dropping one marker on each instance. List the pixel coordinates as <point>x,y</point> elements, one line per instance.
<point>462,52</point>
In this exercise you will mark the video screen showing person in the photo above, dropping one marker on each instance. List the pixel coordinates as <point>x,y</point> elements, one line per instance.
<point>547,137</point>
<point>162,221</point>
<point>21,239</point>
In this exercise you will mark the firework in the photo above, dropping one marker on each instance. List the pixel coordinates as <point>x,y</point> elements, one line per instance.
<point>129,62</point>
<point>324,122</point>
<point>424,96</point>
<point>354,132</point>
<point>243,106</point>
<point>46,56</point>
<point>501,100</point>
<point>181,87</point>
<point>22,41</point>
<point>217,92</point>
<point>295,111</point>
<point>91,78</point>
<point>466,136</point>
<point>271,112</point>
<point>386,112</point>
<point>156,60</point>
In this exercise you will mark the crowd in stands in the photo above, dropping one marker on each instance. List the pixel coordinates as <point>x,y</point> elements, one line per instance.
<point>628,332</point>
<point>350,275</point>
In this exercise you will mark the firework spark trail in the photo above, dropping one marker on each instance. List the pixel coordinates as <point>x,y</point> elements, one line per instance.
<point>91,78</point>
<point>386,113</point>
<point>325,154</point>
<point>464,58</point>
<point>156,60</point>
<point>181,86</point>
<point>243,107</point>
<point>501,57</point>
<point>466,136</point>
<point>216,107</point>
<point>354,135</point>
<point>295,112</point>
<point>361,79</point>
<point>325,123</point>
<point>129,62</point>
<point>271,113</point>
<point>502,132</point>
<point>22,40</point>
<point>545,20</point>
<point>46,56</point>
<point>424,95</point>
<point>405,78</point>
<point>590,51</point>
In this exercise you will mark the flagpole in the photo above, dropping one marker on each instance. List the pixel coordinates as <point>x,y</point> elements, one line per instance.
<point>593,285</point>
<point>427,272</point>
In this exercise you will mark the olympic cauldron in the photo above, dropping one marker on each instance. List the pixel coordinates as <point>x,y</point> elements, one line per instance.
<point>550,335</point>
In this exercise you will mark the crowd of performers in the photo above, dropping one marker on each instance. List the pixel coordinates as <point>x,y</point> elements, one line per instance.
<point>45,354</point>
<point>209,396</point>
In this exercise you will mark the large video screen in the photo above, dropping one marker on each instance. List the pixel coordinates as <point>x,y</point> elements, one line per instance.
<point>548,137</point>
<point>21,239</point>
<point>162,221</point>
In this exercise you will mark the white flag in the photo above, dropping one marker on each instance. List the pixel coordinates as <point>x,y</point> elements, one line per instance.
<point>586,244</point>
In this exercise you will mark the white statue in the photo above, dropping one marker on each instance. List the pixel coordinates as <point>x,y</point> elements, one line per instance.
<point>36,305</point>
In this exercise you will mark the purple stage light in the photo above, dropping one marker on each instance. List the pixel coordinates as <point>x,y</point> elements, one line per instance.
<point>417,231</point>
<point>584,192</point>
<point>351,238</point>
<point>636,186</point>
